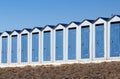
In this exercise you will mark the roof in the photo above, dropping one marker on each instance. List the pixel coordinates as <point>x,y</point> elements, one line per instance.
<point>91,21</point>
<point>104,18</point>
<point>9,32</point>
<point>28,29</point>
<point>51,26</point>
<point>40,28</point>
<point>114,16</point>
<point>0,33</point>
<point>18,31</point>
<point>77,23</point>
<point>64,25</point>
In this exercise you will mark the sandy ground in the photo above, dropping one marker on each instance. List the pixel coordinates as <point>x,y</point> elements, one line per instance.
<point>106,70</point>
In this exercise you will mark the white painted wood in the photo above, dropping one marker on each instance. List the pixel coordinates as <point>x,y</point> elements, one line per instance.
<point>64,37</point>
<point>47,28</point>
<point>71,25</point>
<point>18,52</point>
<point>35,30</point>
<point>65,46</point>
<point>8,46</point>
<point>24,31</point>
<point>100,21</point>
<point>113,19</point>
<point>86,23</point>
<point>0,48</point>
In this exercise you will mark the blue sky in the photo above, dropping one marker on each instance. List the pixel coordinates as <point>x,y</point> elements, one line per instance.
<point>19,14</point>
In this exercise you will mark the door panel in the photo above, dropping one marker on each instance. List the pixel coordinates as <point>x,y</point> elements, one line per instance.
<point>4,49</point>
<point>59,45</point>
<point>85,42</point>
<point>99,41</point>
<point>24,48</point>
<point>35,47</point>
<point>115,40</point>
<point>46,50</point>
<point>14,49</point>
<point>72,43</point>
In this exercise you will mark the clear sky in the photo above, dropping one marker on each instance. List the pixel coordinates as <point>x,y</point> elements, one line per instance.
<point>19,14</point>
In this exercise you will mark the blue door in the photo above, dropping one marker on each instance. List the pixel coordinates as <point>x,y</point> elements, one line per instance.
<point>115,39</point>
<point>4,49</point>
<point>35,47</point>
<point>46,46</point>
<point>14,49</point>
<point>85,38</point>
<point>59,44</point>
<point>24,48</point>
<point>99,41</point>
<point>71,43</point>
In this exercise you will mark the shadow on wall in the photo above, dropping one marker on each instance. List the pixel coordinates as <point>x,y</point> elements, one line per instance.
<point>109,70</point>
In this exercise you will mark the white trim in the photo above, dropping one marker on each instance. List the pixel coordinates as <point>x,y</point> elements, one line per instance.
<point>64,55</point>
<point>8,44</point>
<point>39,46</point>
<point>0,49</point>
<point>18,52</point>
<point>29,38</point>
<point>47,28</point>
<point>65,60</point>
<point>87,23</point>
<point>114,19</point>
<point>72,25</point>
<point>78,44</point>
<point>100,21</point>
